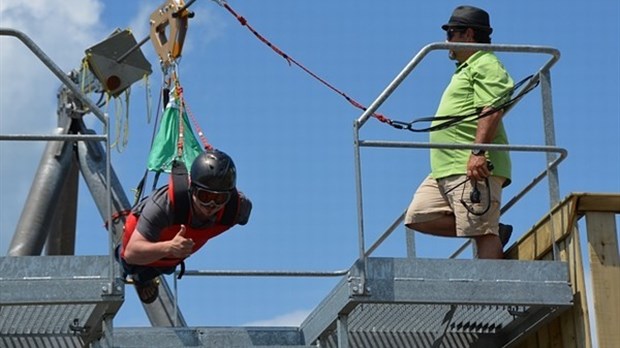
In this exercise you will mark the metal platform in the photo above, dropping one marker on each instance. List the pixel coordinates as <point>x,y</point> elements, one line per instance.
<point>216,337</point>
<point>448,303</point>
<point>70,301</point>
<point>56,301</point>
<point>407,302</point>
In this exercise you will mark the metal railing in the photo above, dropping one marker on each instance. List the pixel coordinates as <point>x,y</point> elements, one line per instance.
<point>555,155</point>
<point>92,107</point>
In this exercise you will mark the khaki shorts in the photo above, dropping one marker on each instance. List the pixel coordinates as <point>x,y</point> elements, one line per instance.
<point>431,202</point>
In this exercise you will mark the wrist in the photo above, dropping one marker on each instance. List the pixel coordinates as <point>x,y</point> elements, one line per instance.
<point>478,152</point>
<point>166,248</point>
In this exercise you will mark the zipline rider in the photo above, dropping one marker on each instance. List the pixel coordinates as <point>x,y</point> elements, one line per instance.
<point>175,222</point>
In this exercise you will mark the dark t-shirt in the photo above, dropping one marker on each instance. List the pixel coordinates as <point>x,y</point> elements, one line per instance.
<point>156,213</point>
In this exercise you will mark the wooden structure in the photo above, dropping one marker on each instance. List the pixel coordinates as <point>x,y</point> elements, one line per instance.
<point>573,328</point>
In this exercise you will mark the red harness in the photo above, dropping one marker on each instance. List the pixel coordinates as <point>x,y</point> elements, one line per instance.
<point>199,236</point>
<point>179,198</point>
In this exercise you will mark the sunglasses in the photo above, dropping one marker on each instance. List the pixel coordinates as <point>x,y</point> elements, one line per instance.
<point>451,31</point>
<point>208,197</point>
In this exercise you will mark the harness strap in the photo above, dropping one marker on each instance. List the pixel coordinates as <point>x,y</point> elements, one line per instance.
<point>179,192</point>
<point>451,120</point>
<point>116,216</point>
<point>182,271</point>
<point>230,209</point>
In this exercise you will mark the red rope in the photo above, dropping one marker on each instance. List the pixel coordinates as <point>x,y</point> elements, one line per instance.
<point>290,60</point>
<point>179,91</point>
<point>201,135</point>
<point>184,106</point>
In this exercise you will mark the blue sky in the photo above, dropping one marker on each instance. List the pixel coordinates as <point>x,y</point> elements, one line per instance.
<point>291,137</point>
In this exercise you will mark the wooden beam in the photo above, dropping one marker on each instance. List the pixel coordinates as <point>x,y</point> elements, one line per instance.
<point>602,202</point>
<point>537,243</point>
<point>605,271</point>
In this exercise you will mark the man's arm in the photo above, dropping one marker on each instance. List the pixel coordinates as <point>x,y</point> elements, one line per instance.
<point>487,127</point>
<point>141,251</point>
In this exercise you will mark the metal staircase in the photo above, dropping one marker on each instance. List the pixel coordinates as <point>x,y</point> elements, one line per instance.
<point>70,301</point>
<point>412,302</point>
<point>56,301</point>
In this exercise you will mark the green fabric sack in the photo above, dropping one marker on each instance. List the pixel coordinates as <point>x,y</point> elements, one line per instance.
<point>164,149</point>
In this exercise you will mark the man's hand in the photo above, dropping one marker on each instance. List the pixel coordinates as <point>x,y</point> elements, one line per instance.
<point>181,247</point>
<point>485,133</point>
<point>477,168</point>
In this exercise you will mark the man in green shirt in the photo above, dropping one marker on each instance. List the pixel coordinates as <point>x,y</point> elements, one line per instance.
<point>462,195</point>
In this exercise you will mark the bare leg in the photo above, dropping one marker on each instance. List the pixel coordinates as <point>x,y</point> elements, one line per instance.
<point>489,247</point>
<point>444,226</point>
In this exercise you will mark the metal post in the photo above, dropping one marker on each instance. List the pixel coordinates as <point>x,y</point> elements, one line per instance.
<point>96,173</point>
<point>360,207</point>
<point>61,237</point>
<point>343,331</point>
<point>33,225</point>
<point>112,238</point>
<point>410,236</point>
<point>175,320</point>
<point>552,173</point>
<point>107,334</point>
<point>545,88</point>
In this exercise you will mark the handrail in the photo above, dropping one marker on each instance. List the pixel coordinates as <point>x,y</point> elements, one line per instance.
<point>251,273</point>
<point>26,137</point>
<point>448,45</point>
<point>520,195</point>
<point>522,148</point>
<point>541,76</point>
<point>92,107</point>
<point>264,273</point>
<point>56,70</point>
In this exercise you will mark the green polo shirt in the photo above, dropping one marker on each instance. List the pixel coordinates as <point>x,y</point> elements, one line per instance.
<point>480,81</point>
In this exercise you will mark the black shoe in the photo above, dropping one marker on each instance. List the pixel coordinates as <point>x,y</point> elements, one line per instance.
<point>505,231</point>
<point>147,291</point>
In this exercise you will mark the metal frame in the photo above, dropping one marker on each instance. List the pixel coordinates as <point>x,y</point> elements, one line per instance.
<point>553,161</point>
<point>69,137</point>
<point>95,166</point>
<point>68,298</point>
<point>213,337</point>
<point>500,296</point>
<point>29,241</point>
<point>507,297</point>
<point>332,315</point>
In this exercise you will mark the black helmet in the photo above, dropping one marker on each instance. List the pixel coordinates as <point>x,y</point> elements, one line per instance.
<point>215,171</point>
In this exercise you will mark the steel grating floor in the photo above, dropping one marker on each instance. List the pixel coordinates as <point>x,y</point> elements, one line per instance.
<point>56,301</point>
<point>43,325</point>
<point>382,325</point>
<point>428,318</point>
<point>440,303</point>
<point>212,337</point>
<point>381,303</point>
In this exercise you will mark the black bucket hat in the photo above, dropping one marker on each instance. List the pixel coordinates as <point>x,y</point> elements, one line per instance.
<point>470,17</point>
